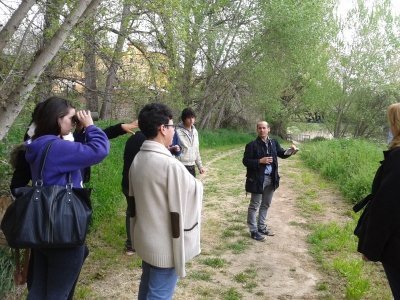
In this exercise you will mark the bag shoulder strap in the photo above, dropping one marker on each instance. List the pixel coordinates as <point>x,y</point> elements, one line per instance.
<point>42,161</point>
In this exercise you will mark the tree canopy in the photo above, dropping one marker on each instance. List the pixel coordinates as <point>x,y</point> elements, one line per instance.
<point>234,62</point>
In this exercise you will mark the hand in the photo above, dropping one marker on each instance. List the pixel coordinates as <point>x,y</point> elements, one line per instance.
<point>202,171</point>
<point>266,160</point>
<point>294,149</point>
<point>174,148</point>
<point>128,127</point>
<point>85,119</point>
<point>364,258</point>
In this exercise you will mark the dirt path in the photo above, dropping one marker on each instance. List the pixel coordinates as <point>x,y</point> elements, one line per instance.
<point>285,269</point>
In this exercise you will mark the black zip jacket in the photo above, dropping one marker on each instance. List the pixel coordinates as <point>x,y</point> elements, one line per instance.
<point>378,228</point>
<point>255,150</point>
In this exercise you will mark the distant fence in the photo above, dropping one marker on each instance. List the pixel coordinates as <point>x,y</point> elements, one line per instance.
<point>303,138</point>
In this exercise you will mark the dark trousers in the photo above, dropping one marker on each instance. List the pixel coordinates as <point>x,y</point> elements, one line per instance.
<point>128,243</point>
<point>192,170</point>
<point>393,276</point>
<point>29,279</point>
<point>55,272</point>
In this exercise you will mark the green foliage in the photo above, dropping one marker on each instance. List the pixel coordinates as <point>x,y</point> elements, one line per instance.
<point>350,163</point>
<point>7,267</point>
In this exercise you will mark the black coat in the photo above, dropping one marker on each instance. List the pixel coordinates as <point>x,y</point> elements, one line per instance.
<point>132,147</point>
<point>379,226</point>
<point>255,150</point>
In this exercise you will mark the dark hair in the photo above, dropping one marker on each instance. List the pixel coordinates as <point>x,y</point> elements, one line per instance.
<point>151,116</point>
<point>47,116</point>
<point>35,111</point>
<point>187,113</point>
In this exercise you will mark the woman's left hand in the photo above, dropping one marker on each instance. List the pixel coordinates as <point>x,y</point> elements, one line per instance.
<point>84,118</point>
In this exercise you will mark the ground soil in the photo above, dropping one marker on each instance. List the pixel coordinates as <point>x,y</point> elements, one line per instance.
<point>285,268</point>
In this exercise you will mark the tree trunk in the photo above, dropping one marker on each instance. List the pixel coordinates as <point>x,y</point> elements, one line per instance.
<point>221,114</point>
<point>13,104</point>
<point>13,23</point>
<point>92,100</point>
<point>112,72</point>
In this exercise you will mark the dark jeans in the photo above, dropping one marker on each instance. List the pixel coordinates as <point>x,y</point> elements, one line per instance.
<point>393,276</point>
<point>128,243</point>
<point>29,279</point>
<point>55,272</point>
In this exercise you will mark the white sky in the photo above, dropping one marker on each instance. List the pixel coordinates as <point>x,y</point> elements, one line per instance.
<point>343,6</point>
<point>346,4</point>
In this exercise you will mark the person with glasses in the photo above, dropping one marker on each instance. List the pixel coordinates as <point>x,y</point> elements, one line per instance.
<point>262,178</point>
<point>189,138</point>
<point>165,202</point>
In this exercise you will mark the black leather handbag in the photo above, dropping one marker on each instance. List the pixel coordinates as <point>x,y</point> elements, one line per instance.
<point>47,216</point>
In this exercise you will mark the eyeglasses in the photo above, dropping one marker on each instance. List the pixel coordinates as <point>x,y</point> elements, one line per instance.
<point>173,125</point>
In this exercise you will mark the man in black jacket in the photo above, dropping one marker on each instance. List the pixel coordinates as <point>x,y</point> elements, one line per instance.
<point>132,147</point>
<point>262,178</point>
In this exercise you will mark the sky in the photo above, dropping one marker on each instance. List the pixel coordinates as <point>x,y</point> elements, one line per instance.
<point>344,5</point>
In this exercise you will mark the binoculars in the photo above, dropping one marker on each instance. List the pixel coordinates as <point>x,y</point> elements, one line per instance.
<point>94,114</point>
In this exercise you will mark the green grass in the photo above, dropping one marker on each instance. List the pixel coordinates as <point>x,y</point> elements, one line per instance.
<point>232,294</point>
<point>218,138</point>
<point>7,267</point>
<point>200,276</point>
<point>215,262</point>
<point>350,164</point>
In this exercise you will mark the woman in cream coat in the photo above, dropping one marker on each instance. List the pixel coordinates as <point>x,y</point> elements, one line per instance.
<point>166,202</point>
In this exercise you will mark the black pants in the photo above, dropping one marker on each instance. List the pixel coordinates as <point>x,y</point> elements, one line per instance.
<point>192,170</point>
<point>128,243</point>
<point>393,276</point>
<point>29,278</point>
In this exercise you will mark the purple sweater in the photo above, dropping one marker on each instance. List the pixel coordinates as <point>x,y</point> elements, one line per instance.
<point>65,156</point>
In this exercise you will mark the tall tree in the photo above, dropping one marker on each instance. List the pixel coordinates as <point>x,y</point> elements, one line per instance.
<point>363,55</point>
<point>15,101</point>
<point>116,59</point>
<point>13,23</point>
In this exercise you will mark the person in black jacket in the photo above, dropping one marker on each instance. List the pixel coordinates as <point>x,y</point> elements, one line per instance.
<point>132,147</point>
<point>378,228</point>
<point>262,178</point>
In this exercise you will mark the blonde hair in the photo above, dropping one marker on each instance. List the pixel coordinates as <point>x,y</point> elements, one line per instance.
<point>393,114</point>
